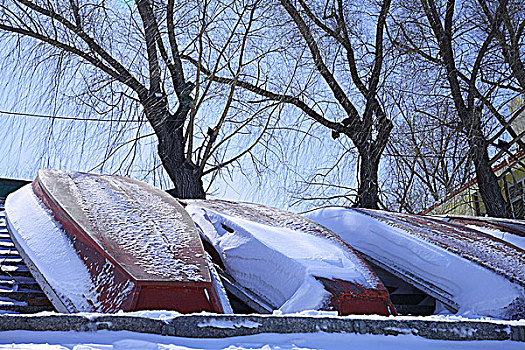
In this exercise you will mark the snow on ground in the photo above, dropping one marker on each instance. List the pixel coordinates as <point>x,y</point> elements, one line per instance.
<point>278,263</point>
<point>47,245</point>
<point>473,289</point>
<point>123,340</point>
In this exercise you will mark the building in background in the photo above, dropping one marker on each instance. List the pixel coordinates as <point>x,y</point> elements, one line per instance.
<point>466,200</point>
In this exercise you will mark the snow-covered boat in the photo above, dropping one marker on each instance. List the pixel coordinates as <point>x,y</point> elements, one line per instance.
<point>469,271</point>
<point>108,243</point>
<point>289,262</point>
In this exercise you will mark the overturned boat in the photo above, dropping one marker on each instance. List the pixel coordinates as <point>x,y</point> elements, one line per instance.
<point>286,262</point>
<point>468,270</point>
<point>107,243</point>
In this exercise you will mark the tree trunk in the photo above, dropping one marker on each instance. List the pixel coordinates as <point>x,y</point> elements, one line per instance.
<point>367,193</point>
<point>487,181</point>
<point>186,176</point>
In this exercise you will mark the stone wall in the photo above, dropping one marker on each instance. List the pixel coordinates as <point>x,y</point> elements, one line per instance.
<point>219,326</point>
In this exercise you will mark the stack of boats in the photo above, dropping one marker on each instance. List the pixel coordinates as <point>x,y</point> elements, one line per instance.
<point>98,243</point>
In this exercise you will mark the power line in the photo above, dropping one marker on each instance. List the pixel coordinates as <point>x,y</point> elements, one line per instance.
<point>70,118</point>
<point>388,154</point>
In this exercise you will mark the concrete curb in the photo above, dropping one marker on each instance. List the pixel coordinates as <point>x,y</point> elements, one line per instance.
<point>220,326</point>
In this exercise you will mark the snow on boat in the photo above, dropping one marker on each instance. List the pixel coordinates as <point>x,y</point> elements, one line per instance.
<point>509,230</point>
<point>290,262</point>
<point>116,244</point>
<point>469,271</point>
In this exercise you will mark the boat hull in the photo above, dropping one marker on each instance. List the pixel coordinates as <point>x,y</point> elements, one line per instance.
<point>260,239</point>
<point>129,256</point>
<point>468,271</point>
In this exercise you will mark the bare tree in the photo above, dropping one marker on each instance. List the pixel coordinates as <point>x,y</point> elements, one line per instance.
<point>130,55</point>
<point>457,45</point>
<point>330,47</point>
<point>508,25</point>
<point>427,156</point>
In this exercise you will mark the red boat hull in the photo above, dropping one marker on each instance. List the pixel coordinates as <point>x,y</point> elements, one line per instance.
<point>118,280</point>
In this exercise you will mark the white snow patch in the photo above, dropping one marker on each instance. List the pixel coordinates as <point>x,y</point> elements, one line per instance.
<point>218,323</point>
<point>47,245</point>
<point>399,330</point>
<point>277,263</point>
<point>504,236</point>
<point>163,315</point>
<point>311,313</point>
<point>123,340</point>
<point>477,291</point>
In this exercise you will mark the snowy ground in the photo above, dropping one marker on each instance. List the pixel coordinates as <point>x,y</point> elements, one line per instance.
<point>128,340</point>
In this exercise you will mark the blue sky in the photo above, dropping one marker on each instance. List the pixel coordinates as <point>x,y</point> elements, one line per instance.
<point>29,143</point>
